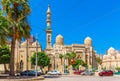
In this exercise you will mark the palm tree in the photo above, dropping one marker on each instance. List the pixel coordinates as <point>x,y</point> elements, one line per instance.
<point>69,57</point>
<point>61,56</point>
<point>16,13</point>
<point>4,28</point>
<point>73,55</point>
<point>99,60</point>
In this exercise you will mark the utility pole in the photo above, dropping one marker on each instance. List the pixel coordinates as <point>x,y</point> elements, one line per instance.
<point>36,53</point>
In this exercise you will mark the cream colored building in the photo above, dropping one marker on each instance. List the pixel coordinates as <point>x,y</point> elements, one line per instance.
<point>23,52</point>
<point>84,51</point>
<point>111,60</point>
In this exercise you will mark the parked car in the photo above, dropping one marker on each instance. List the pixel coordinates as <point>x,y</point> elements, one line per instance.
<point>78,72</point>
<point>87,72</point>
<point>117,73</point>
<point>39,72</point>
<point>54,72</point>
<point>66,72</point>
<point>106,73</point>
<point>29,73</point>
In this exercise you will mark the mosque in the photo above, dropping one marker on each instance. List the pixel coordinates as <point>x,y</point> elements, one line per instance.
<point>111,60</point>
<point>84,51</point>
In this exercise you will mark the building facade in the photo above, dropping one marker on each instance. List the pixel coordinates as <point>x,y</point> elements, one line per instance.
<point>84,51</point>
<point>23,52</point>
<point>111,60</point>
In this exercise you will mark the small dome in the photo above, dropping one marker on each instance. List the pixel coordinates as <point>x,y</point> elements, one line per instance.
<point>111,50</point>
<point>88,41</point>
<point>24,43</point>
<point>104,57</point>
<point>59,40</point>
<point>35,43</point>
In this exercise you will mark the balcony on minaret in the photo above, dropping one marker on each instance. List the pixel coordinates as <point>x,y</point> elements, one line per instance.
<point>48,28</point>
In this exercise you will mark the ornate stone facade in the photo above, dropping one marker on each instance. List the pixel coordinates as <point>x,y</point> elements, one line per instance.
<point>83,51</point>
<point>23,52</point>
<point>111,60</point>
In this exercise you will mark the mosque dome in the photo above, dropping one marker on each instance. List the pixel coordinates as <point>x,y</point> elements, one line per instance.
<point>104,57</point>
<point>111,50</point>
<point>59,40</point>
<point>88,41</point>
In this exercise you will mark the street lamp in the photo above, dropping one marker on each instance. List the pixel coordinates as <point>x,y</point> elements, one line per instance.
<point>54,62</point>
<point>36,54</point>
<point>64,61</point>
<point>27,53</point>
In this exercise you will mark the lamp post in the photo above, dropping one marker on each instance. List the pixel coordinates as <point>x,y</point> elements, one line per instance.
<point>27,53</point>
<point>54,62</point>
<point>36,54</point>
<point>64,61</point>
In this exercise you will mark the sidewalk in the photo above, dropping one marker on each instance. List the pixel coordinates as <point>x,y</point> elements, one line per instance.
<point>117,76</point>
<point>18,78</point>
<point>3,76</point>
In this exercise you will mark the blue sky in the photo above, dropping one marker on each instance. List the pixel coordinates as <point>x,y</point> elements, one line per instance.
<point>77,19</point>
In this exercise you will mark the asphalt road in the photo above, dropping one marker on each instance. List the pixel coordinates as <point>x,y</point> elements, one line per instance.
<point>84,78</point>
<point>72,78</point>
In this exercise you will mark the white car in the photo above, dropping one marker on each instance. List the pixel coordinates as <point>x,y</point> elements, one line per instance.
<point>54,72</point>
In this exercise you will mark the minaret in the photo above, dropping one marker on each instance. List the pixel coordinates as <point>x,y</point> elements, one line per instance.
<point>48,29</point>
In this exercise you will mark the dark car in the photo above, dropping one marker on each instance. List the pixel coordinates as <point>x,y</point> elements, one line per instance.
<point>29,73</point>
<point>78,72</point>
<point>106,73</point>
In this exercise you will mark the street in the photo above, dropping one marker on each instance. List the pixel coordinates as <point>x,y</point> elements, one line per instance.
<point>71,78</point>
<point>84,78</point>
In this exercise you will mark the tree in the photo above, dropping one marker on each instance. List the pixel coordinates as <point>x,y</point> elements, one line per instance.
<point>117,68</point>
<point>43,59</point>
<point>99,60</point>
<point>61,56</point>
<point>73,54</point>
<point>4,28</point>
<point>16,12</point>
<point>85,65</point>
<point>4,56</point>
<point>70,56</point>
<point>78,63</point>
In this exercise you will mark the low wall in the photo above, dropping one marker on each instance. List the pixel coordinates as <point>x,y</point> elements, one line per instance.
<point>2,68</point>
